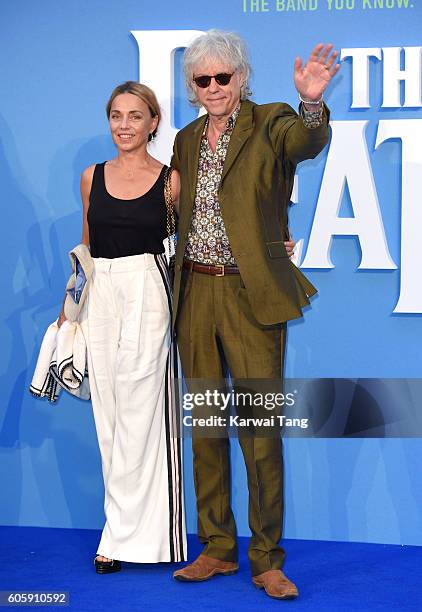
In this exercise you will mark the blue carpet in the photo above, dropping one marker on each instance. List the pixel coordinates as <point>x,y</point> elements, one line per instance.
<point>331,576</point>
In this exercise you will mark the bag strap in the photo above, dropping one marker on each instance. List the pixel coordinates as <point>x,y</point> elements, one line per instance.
<point>168,197</point>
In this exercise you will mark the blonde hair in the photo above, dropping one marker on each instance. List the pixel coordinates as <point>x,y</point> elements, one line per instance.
<point>144,93</point>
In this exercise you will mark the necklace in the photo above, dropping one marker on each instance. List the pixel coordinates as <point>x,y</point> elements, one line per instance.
<point>129,173</point>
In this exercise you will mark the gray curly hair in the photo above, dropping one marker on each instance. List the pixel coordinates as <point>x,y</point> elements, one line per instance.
<point>226,47</point>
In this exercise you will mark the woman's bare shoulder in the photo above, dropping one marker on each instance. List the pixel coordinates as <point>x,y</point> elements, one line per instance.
<point>88,173</point>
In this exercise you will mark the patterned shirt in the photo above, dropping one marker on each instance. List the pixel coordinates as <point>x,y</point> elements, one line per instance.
<point>207,239</point>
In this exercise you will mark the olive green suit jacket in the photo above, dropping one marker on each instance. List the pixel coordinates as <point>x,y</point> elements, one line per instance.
<point>267,143</point>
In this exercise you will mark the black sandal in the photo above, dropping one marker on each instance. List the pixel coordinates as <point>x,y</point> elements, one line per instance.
<point>107,567</point>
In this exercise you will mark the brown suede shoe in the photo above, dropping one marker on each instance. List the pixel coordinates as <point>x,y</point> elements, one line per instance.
<point>276,584</point>
<point>205,567</point>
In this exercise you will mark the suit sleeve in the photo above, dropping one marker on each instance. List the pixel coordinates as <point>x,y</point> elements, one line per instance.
<point>291,139</point>
<point>175,159</point>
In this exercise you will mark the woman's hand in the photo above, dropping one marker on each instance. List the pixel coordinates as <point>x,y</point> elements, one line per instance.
<point>290,246</point>
<point>61,319</point>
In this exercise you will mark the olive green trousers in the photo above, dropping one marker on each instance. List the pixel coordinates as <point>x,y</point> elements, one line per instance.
<point>216,329</point>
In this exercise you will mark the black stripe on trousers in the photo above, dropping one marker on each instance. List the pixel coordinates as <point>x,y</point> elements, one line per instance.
<point>173,441</point>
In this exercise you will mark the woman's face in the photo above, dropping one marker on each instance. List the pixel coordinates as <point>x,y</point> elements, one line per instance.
<point>130,122</point>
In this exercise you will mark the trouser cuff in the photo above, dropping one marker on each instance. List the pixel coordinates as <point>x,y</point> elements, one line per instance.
<point>211,550</point>
<point>273,561</point>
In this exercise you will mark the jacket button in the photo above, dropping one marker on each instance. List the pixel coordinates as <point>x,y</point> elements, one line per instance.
<point>179,267</point>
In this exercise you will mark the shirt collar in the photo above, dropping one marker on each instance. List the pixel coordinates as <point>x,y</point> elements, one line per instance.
<point>231,121</point>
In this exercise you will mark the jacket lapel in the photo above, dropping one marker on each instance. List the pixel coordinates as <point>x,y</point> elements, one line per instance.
<point>189,179</point>
<point>242,131</point>
<point>193,156</point>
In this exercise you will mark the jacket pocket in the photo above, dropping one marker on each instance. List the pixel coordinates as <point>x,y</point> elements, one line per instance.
<point>276,249</point>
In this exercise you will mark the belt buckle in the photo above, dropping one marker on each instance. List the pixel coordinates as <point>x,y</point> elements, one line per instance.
<point>221,266</point>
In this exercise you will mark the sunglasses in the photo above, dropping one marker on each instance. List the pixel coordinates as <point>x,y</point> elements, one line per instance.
<point>222,79</point>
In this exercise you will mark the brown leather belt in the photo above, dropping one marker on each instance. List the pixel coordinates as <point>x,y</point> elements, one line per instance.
<point>215,270</point>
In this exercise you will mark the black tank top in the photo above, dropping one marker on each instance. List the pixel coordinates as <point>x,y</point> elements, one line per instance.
<point>118,228</point>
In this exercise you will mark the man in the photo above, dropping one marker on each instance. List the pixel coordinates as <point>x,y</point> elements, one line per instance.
<point>235,286</point>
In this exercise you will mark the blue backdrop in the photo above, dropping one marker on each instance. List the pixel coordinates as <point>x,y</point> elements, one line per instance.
<point>60,62</point>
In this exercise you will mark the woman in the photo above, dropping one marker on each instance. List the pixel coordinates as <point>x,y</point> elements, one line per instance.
<point>126,323</point>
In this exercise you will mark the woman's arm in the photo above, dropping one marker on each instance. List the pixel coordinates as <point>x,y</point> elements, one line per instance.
<point>175,189</point>
<point>86,182</point>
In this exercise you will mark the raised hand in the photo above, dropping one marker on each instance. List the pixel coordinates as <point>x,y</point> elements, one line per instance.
<point>312,78</point>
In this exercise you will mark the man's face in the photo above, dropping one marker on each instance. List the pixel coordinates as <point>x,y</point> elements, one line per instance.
<point>218,100</point>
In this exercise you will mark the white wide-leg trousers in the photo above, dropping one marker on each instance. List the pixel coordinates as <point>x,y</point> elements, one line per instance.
<point>130,365</point>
